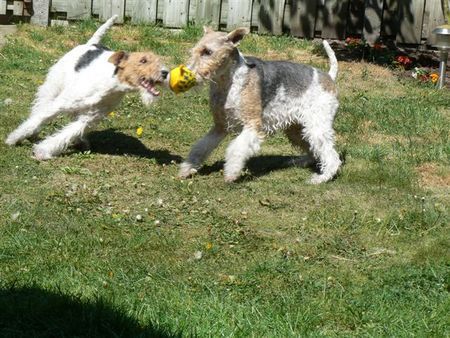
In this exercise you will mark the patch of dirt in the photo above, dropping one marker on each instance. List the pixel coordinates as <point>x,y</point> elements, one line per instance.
<point>434,175</point>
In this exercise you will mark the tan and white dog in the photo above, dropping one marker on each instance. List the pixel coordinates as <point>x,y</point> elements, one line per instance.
<point>87,83</point>
<point>257,98</point>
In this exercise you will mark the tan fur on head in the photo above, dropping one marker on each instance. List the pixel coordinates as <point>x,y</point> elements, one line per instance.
<point>134,68</point>
<point>214,51</point>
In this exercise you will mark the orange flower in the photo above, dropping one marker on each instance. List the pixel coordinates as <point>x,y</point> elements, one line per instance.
<point>434,77</point>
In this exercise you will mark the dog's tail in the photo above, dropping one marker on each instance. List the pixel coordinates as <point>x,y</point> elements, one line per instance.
<point>102,31</point>
<point>333,61</point>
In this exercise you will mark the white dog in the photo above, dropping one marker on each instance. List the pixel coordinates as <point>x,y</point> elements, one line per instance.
<point>87,82</point>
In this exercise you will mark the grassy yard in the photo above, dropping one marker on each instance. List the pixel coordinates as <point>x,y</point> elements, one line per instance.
<point>111,243</point>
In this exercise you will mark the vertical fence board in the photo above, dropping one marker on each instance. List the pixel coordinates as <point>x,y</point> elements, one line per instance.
<point>300,16</point>
<point>223,13</point>
<point>372,20</point>
<point>239,13</point>
<point>410,16</point>
<point>335,19</point>
<point>390,19</point>
<point>41,9</point>
<point>208,12</point>
<point>18,8</point>
<point>160,10</point>
<point>433,16</point>
<point>2,7</point>
<point>176,13</point>
<point>109,8</point>
<point>80,9</point>
<point>60,5</point>
<point>142,11</point>
<point>269,16</point>
<point>95,7</point>
<point>355,20</point>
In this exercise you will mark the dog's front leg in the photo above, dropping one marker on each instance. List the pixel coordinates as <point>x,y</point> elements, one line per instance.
<point>201,150</point>
<point>246,145</point>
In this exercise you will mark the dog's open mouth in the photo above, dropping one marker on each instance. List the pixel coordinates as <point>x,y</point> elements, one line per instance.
<point>149,85</point>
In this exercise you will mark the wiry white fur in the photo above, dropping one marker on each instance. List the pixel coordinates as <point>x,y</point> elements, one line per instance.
<point>88,94</point>
<point>284,109</point>
<point>246,145</point>
<point>233,100</point>
<point>96,38</point>
<point>312,111</point>
<point>333,61</point>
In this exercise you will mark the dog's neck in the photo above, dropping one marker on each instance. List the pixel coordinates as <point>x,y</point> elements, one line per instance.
<point>224,76</point>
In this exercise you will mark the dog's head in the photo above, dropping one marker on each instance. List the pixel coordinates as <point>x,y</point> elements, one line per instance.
<point>140,71</point>
<point>215,52</point>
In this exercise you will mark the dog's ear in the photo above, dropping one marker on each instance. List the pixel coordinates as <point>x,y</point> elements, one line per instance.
<point>207,29</point>
<point>237,35</point>
<point>118,57</point>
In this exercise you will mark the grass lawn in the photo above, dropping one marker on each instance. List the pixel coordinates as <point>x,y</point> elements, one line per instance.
<point>111,243</point>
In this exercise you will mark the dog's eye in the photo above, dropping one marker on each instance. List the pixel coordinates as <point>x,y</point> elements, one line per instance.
<point>206,52</point>
<point>143,60</point>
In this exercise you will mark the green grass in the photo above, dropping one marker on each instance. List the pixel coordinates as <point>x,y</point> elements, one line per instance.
<point>364,255</point>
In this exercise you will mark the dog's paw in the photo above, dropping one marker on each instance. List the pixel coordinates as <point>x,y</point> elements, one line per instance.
<point>231,178</point>
<point>186,170</point>
<point>12,140</point>
<point>41,154</point>
<point>317,179</point>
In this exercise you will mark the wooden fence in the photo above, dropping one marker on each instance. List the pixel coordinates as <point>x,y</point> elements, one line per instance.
<point>406,21</point>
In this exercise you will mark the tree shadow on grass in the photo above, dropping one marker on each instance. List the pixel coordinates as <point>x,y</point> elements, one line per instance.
<point>261,165</point>
<point>112,142</point>
<point>33,312</point>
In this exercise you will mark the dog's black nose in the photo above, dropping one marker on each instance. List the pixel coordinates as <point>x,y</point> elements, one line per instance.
<point>164,74</point>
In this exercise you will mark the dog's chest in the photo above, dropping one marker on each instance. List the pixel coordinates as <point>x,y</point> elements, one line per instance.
<point>227,95</point>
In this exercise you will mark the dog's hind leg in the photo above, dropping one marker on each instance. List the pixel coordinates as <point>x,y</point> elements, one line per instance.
<point>294,135</point>
<point>201,151</point>
<point>322,146</point>
<point>57,143</point>
<point>46,106</point>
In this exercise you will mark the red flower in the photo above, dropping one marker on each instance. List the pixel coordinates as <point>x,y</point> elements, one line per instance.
<point>403,60</point>
<point>378,46</point>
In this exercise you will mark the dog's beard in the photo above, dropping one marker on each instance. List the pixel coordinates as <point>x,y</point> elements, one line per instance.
<point>147,98</point>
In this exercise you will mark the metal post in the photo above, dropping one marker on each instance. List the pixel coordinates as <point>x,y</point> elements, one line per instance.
<point>442,68</point>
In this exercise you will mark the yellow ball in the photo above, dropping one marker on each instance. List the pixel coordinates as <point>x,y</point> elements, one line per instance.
<point>181,79</point>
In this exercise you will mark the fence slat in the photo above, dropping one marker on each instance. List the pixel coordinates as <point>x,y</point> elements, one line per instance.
<point>2,7</point>
<point>355,20</point>
<point>41,9</point>
<point>389,26</point>
<point>434,16</point>
<point>335,19</point>
<point>142,11</point>
<point>80,9</point>
<point>18,8</point>
<point>109,8</point>
<point>410,15</point>
<point>176,13</point>
<point>372,20</point>
<point>270,16</point>
<point>300,17</point>
<point>239,13</point>
<point>208,12</point>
